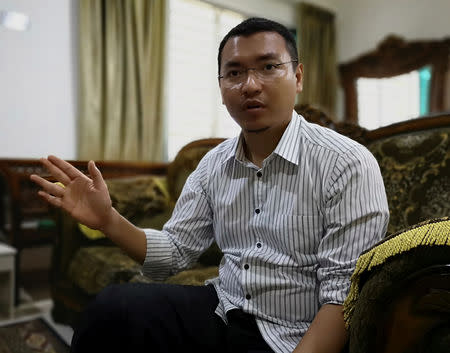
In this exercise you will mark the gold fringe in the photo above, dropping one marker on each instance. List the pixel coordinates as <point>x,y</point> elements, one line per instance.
<point>430,234</point>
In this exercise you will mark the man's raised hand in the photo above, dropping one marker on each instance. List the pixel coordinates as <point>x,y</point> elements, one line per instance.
<point>85,198</point>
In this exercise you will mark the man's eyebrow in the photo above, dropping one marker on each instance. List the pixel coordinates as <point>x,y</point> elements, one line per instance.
<point>263,57</point>
<point>268,56</point>
<point>232,64</point>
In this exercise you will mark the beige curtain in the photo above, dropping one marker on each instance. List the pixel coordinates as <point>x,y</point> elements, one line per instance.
<point>121,79</point>
<point>317,51</point>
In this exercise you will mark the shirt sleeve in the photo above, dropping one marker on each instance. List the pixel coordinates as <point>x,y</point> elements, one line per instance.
<point>356,217</point>
<point>186,235</point>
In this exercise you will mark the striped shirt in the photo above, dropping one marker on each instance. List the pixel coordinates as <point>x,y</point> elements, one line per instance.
<point>291,231</point>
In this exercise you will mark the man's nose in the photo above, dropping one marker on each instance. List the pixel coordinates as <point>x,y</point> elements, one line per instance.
<point>251,83</point>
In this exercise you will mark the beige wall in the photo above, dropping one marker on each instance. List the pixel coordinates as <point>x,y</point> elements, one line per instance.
<point>362,24</point>
<point>38,81</point>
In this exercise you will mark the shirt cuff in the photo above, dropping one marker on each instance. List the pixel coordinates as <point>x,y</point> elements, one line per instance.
<point>158,260</point>
<point>334,291</point>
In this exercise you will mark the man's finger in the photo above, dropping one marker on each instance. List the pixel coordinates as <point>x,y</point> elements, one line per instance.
<point>50,188</point>
<point>96,175</point>
<point>55,201</point>
<point>55,171</point>
<point>67,168</point>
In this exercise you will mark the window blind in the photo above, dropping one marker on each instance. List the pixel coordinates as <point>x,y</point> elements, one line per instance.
<point>194,108</point>
<point>388,100</point>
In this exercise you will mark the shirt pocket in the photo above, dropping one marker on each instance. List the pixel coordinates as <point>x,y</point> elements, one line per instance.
<point>299,236</point>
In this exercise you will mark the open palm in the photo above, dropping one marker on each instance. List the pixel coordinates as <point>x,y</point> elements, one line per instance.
<point>85,198</point>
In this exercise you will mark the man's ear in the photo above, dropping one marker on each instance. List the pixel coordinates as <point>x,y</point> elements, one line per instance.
<point>299,77</point>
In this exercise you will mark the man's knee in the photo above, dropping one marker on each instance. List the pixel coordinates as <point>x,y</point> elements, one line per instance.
<point>117,314</point>
<point>165,317</point>
<point>130,300</point>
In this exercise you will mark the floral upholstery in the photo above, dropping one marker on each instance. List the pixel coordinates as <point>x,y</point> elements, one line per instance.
<point>95,267</point>
<point>185,162</point>
<point>136,197</point>
<point>416,172</point>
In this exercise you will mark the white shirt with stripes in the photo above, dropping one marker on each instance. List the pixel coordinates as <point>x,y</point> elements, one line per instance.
<point>291,231</point>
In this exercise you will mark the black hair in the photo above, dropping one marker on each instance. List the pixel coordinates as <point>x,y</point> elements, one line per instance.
<point>256,25</point>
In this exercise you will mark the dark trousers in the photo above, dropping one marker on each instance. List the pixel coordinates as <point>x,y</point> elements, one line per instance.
<point>163,318</point>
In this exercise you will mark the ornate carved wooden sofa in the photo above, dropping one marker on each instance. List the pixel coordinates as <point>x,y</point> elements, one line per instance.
<point>414,158</point>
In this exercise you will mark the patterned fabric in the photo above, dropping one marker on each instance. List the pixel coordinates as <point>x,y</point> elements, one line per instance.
<point>416,173</point>
<point>291,230</point>
<point>134,198</point>
<point>194,277</point>
<point>149,194</point>
<point>381,280</point>
<point>184,164</point>
<point>94,268</point>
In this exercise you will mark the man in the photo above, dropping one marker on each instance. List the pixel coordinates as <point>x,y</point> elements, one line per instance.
<point>290,204</point>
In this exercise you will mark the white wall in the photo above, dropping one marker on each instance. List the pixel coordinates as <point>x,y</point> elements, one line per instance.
<point>362,24</point>
<point>38,81</point>
<point>277,10</point>
<point>283,11</point>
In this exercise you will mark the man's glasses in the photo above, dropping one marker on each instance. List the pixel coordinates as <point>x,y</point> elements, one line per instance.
<point>266,72</point>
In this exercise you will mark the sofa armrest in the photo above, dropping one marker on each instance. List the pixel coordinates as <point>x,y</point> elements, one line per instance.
<point>400,292</point>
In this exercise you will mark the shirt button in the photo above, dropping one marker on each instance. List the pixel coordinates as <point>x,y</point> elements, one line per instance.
<point>259,174</point>
<point>257,211</point>
<point>258,245</point>
<point>246,266</point>
<point>248,296</point>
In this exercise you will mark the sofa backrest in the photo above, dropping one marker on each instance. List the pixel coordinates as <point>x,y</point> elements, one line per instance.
<point>414,158</point>
<point>185,163</point>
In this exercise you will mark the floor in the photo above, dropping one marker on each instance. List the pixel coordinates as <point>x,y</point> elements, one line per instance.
<point>42,309</point>
<point>35,298</point>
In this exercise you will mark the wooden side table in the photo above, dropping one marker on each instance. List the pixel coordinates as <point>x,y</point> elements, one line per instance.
<point>7,254</point>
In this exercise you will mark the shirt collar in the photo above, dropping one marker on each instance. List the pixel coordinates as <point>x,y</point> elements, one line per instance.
<point>287,148</point>
<point>235,149</point>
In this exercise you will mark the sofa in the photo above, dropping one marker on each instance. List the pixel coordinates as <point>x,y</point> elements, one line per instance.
<point>414,157</point>
<point>84,261</point>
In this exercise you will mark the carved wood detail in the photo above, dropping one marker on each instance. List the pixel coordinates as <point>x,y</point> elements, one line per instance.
<point>395,56</point>
<point>348,129</point>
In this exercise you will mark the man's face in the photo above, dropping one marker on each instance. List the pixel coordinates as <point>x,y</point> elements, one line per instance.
<point>258,103</point>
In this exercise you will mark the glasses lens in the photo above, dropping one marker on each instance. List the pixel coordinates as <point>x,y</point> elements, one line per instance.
<point>265,72</point>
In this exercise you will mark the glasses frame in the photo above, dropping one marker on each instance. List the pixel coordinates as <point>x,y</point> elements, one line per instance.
<point>254,68</point>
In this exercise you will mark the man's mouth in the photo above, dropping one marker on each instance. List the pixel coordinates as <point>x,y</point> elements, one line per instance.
<point>253,105</point>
